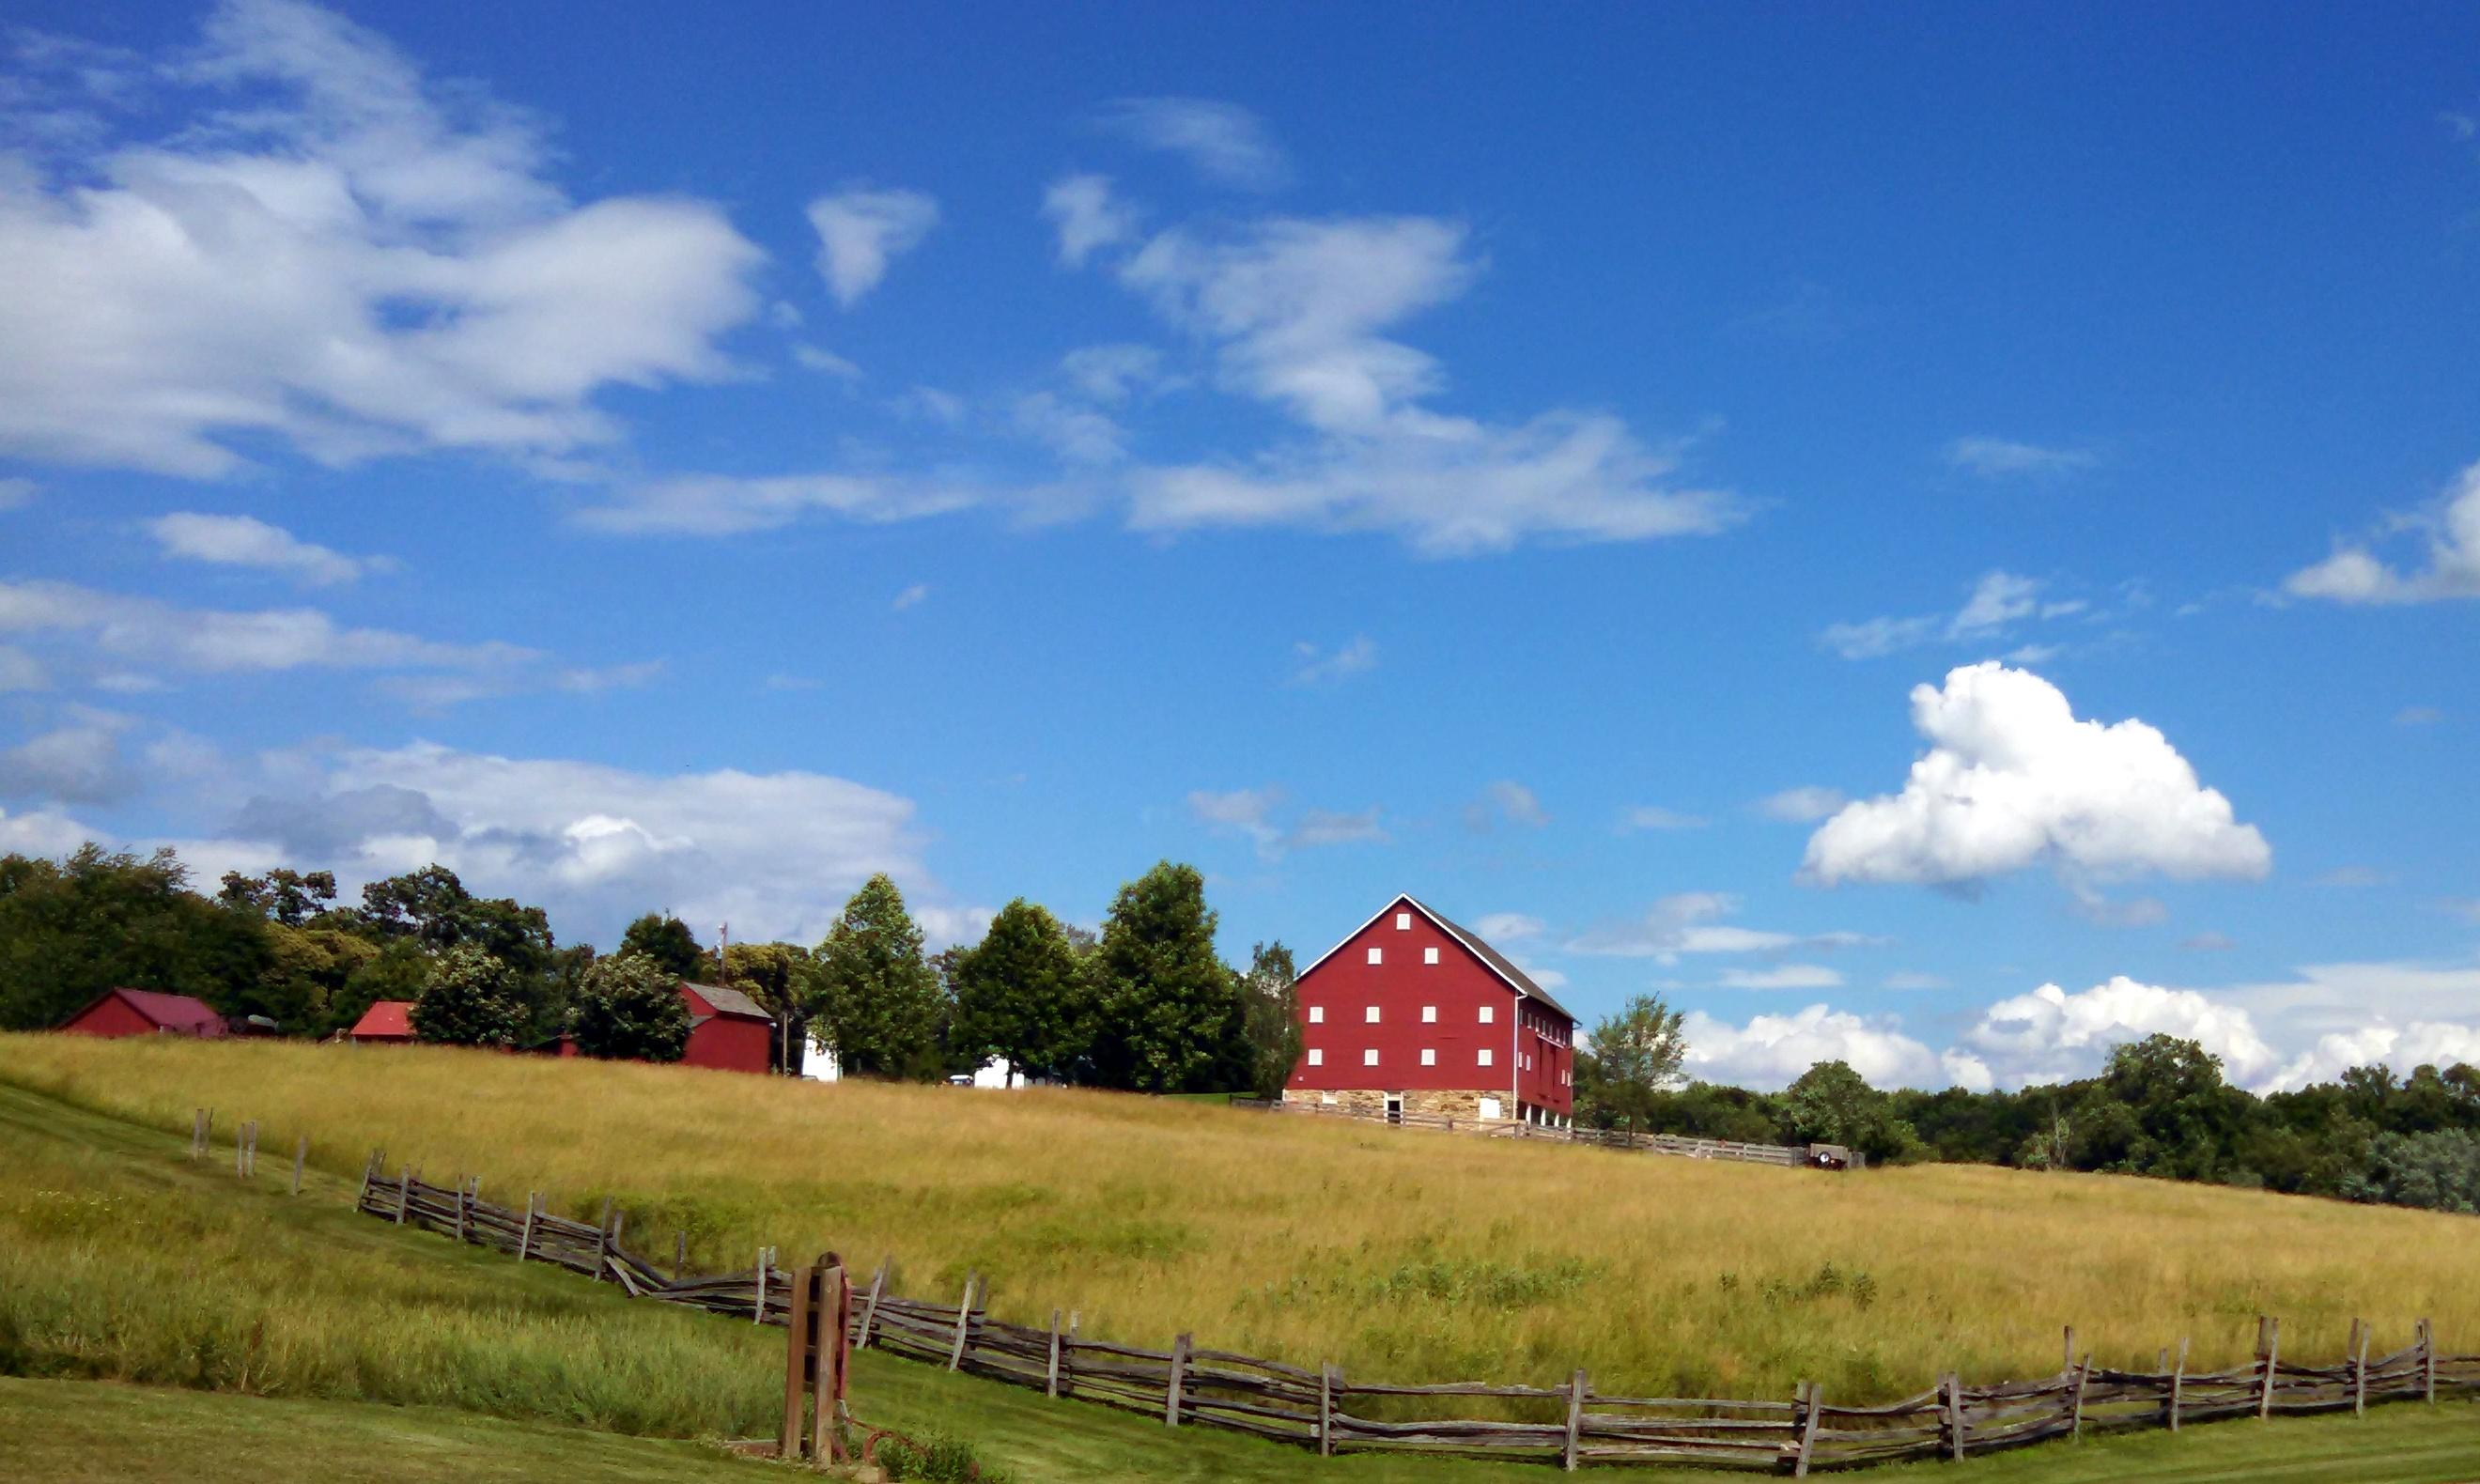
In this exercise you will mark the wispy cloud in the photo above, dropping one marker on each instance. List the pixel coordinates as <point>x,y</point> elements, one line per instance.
<point>1314,666</point>
<point>1224,143</point>
<point>2451,529</point>
<point>2001,459</point>
<point>240,541</point>
<point>1653,816</point>
<point>862,230</point>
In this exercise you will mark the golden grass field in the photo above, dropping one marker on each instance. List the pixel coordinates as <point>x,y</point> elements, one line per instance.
<point>1402,1255</point>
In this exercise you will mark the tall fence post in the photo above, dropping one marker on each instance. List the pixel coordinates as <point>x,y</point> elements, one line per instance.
<point>2178,1383</point>
<point>369,1170</point>
<point>758,1304</point>
<point>404,1191</point>
<point>602,1237</point>
<point>831,1317</point>
<point>2427,1362</point>
<point>1178,1385</point>
<point>1050,1372</point>
<point>526,1238</point>
<point>300,1157</point>
<point>198,1133</point>
<point>460,1207</point>
<point>2271,1351</point>
<point>2358,1368</point>
<point>1952,1385</point>
<point>1812,1401</point>
<point>2076,1413</point>
<point>799,1350</point>
<point>964,1320</point>
<point>869,1310</point>
<point>1325,1411</point>
<point>2069,1363</point>
<point>1575,1419</point>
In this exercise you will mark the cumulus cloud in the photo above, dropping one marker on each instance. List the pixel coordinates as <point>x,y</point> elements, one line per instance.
<point>1224,143</point>
<point>80,763</point>
<point>240,541</point>
<point>2451,534</point>
<point>2052,1035</point>
<point>1770,1050</point>
<point>324,249</point>
<point>2012,779</point>
<point>2002,458</point>
<point>1326,667</point>
<point>2401,1048</point>
<point>862,230</point>
<point>1087,217</point>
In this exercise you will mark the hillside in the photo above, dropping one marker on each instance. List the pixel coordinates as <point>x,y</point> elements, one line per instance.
<point>1403,1256</point>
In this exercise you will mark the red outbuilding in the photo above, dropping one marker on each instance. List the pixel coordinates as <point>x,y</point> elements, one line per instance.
<point>1411,1014</point>
<point>386,1023</point>
<point>727,1030</point>
<point>147,1013</point>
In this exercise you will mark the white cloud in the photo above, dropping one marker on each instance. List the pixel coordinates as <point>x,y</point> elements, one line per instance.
<point>1087,217</point>
<point>74,764</point>
<point>910,597</point>
<point>1691,922</point>
<point>21,670</point>
<point>862,230</point>
<point>47,832</point>
<point>1509,927</point>
<point>1997,601</point>
<point>1782,976</point>
<point>2418,716</point>
<point>241,541</point>
<point>1770,1050</point>
<point>1508,802</point>
<point>2012,779</point>
<point>1250,814</point>
<point>1321,667</point>
<point>1113,372</point>
<point>2053,1036</point>
<point>1999,458</point>
<point>2354,573</point>
<point>1224,143</point>
<point>2400,1048</point>
<point>222,642</point>
<point>1335,827</point>
<point>729,504</point>
<point>1077,434</point>
<point>1653,816</point>
<point>1802,805</point>
<point>354,262</point>
<point>818,358</point>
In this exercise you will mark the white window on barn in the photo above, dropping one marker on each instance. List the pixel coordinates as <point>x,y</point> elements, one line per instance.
<point>1428,956</point>
<point>1484,1056</point>
<point>1489,1108</point>
<point>1317,1058</point>
<point>1378,955</point>
<point>1429,1015</point>
<point>1370,1015</point>
<point>1428,1058</point>
<point>1488,1014</point>
<point>1369,1057</point>
<point>1317,1014</point>
<point>1402,921</point>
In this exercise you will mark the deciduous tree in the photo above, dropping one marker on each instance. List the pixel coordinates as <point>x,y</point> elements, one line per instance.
<point>873,993</point>
<point>629,1007</point>
<point>469,999</point>
<point>1172,1019</point>
<point>1271,1011</point>
<point>1022,995</point>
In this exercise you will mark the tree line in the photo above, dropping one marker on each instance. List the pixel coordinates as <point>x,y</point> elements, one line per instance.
<point>2159,1106</point>
<point>1147,1005</point>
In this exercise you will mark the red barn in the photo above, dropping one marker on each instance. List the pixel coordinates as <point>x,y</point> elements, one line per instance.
<point>147,1013</point>
<point>727,1030</point>
<point>1411,1014</point>
<point>386,1023</point>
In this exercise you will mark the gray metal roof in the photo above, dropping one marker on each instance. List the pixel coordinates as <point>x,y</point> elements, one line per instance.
<point>731,1001</point>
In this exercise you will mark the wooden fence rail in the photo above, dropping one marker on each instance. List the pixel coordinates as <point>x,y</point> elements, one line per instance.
<point>1789,1154</point>
<point>1567,1424</point>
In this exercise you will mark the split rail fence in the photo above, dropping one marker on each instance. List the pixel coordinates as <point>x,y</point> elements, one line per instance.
<point>1571,1423</point>
<point>1683,1145</point>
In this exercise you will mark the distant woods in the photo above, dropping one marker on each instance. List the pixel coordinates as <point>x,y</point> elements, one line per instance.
<point>1146,1006</point>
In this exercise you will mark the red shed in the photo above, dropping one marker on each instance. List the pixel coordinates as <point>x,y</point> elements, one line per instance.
<point>727,1030</point>
<point>1411,1014</point>
<point>386,1023</point>
<point>147,1013</point>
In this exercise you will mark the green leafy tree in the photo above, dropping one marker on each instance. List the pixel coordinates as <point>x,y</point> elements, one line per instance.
<point>1022,995</point>
<point>1271,1013</point>
<point>668,941</point>
<point>873,994</point>
<point>432,906</point>
<point>629,1008</point>
<point>1831,1103</point>
<point>1637,1054</point>
<point>71,929</point>
<point>470,999</point>
<point>778,977</point>
<point>288,898</point>
<point>395,971</point>
<point>308,972</point>
<point>1171,1018</point>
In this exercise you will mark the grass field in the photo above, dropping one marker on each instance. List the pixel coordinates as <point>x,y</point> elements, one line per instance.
<point>1404,1256</point>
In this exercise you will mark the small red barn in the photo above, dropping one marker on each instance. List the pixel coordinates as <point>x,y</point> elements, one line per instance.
<point>147,1013</point>
<point>386,1023</point>
<point>727,1030</point>
<point>1411,1014</point>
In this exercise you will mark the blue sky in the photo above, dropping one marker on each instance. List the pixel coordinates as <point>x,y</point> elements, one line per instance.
<point>1529,459</point>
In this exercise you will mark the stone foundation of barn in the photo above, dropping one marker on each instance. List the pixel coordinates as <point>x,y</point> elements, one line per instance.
<point>1444,1102</point>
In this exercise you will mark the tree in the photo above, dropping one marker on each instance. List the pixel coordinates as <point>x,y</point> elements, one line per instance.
<point>777,975</point>
<point>285,897</point>
<point>1637,1053</point>
<point>1271,1013</point>
<point>873,993</point>
<point>1831,1103</point>
<point>1172,1018</point>
<point>96,919</point>
<point>1022,995</point>
<point>308,977</point>
<point>668,941</point>
<point>470,999</point>
<point>629,1008</point>
<point>432,906</point>
<point>396,971</point>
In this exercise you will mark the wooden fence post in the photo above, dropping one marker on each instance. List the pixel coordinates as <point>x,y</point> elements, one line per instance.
<point>370,1168</point>
<point>2358,1368</point>
<point>1172,1394</point>
<point>798,1343</point>
<point>869,1310</point>
<point>2272,1351</point>
<point>964,1318</point>
<point>1952,1385</point>
<point>833,1314</point>
<point>602,1237</point>
<point>2427,1362</point>
<point>300,1157</point>
<point>758,1305</point>
<point>2070,1363</point>
<point>1575,1419</point>
<point>460,1208</point>
<point>1326,1410</point>
<point>1050,1372</point>
<point>1812,1398</point>
<point>526,1238</point>
<point>679,1254</point>
<point>2178,1383</point>
<point>2076,1414</point>
<point>404,1191</point>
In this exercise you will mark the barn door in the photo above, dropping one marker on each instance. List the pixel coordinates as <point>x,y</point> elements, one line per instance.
<point>1394,1107</point>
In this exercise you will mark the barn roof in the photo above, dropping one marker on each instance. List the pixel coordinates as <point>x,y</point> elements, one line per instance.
<point>389,1018</point>
<point>731,1001</point>
<point>174,1011</point>
<point>1495,962</point>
